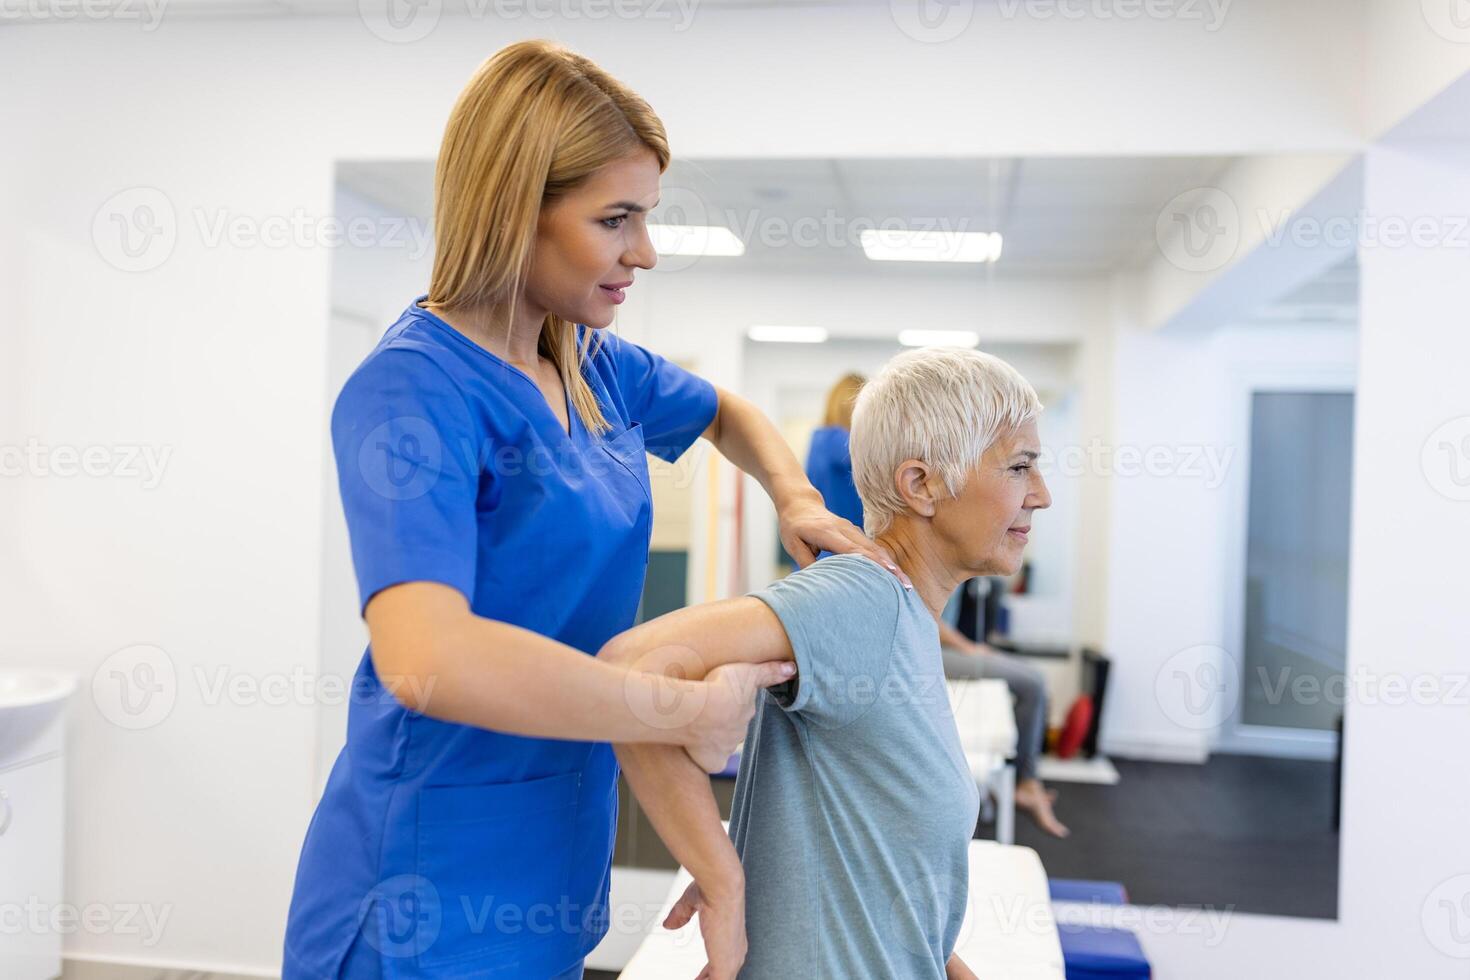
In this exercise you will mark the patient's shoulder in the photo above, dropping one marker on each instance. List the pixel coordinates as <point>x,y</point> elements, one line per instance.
<point>837,594</point>
<point>857,571</point>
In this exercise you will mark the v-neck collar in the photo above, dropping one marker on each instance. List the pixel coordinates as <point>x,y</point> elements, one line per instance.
<point>573,422</point>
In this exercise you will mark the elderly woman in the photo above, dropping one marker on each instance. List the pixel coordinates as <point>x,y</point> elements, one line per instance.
<point>847,854</point>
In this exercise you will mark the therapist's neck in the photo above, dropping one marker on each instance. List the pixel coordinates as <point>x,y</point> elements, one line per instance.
<point>912,544</point>
<point>490,327</point>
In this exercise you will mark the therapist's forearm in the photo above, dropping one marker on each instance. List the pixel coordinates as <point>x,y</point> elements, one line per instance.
<point>744,436</point>
<point>532,685</point>
<point>475,671</point>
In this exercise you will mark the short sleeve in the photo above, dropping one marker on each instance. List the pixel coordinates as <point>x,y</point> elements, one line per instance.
<point>673,405</point>
<point>841,616</point>
<point>405,450</point>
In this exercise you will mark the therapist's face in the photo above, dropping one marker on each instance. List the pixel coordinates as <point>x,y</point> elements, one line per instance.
<point>985,524</point>
<point>590,240</point>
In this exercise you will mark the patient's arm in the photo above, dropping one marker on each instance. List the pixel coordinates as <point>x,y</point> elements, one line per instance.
<point>675,792</point>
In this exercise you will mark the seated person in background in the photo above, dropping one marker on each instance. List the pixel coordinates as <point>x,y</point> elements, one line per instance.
<point>847,856</point>
<point>967,660</point>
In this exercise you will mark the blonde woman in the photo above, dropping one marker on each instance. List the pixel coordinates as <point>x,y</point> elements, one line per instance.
<point>490,456</point>
<point>828,460</point>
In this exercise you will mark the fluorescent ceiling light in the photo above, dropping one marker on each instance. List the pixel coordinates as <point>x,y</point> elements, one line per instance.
<point>694,240</point>
<point>788,335</point>
<point>931,246</point>
<point>939,338</point>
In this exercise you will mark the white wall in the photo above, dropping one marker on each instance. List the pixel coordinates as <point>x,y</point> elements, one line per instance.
<point>372,283</point>
<point>218,354</point>
<point>1176,526</point>
<point>1405,869</point>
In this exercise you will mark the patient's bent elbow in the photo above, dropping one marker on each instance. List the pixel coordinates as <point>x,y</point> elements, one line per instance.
<point>618,651</point>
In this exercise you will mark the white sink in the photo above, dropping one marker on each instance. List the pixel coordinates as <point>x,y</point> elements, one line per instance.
<point>29,701</point>
<point>32,811</point>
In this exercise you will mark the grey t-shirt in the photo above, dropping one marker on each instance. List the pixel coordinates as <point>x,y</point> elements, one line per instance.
<point>854,806</point>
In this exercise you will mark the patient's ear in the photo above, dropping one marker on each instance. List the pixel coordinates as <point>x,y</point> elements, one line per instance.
<point>918,486</point>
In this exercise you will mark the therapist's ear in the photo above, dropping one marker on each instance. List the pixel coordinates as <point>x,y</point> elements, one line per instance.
<point>918,486</point>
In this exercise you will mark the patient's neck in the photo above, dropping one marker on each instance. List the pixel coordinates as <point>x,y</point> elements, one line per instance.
<point>917,553</point>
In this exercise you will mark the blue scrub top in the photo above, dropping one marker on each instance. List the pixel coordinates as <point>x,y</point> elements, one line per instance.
<point>460,851</point>
<point>829,467</point>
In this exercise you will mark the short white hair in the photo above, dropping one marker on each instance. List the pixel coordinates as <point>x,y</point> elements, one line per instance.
<point>943,405</point>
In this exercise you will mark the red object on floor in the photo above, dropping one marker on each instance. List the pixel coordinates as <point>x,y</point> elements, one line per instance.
<point>1074,729</point>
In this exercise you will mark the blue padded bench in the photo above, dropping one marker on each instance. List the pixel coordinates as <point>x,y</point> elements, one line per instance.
<point>1102,953</point>
<point>1097,952</point>
<point>1087,892</point>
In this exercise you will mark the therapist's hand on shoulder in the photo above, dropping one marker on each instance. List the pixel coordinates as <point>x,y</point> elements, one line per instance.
<point>809,528</point>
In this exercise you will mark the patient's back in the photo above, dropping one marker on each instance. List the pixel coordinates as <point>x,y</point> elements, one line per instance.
<point>854,806</point>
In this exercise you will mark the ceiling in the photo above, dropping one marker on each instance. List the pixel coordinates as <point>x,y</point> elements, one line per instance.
<point>1059,217</point>
<point>1331,299</point>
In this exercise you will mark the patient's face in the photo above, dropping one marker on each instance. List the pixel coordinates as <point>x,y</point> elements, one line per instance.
<point>987,523</point>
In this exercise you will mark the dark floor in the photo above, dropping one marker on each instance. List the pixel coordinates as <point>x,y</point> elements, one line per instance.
<point>1243,832</point>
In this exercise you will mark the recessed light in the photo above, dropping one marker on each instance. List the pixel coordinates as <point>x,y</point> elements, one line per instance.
<point>773,334</point>
<point>694,240</point>
<point>931,246</point>
<point>939,338</point>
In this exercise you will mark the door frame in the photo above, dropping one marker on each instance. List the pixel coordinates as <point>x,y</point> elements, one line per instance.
<point>1234,735</point>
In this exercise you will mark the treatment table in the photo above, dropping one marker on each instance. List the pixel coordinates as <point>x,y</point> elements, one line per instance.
<point>1009,931</point>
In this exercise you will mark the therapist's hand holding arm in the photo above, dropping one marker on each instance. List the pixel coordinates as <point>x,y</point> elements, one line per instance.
<point>440,659</point>
<point>745,437</point>
<point>697,642</point>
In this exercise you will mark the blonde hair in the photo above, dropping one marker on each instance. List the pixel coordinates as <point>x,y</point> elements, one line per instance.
<point>535,121</point>
<point>945,406</point>
<point>840,399</point>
